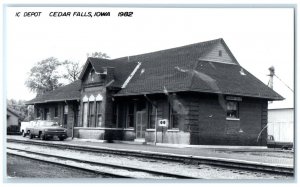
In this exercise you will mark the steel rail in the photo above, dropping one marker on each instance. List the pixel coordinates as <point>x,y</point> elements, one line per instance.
<point>70,166</point>
<point>129,168</point>
<point>229,163</point>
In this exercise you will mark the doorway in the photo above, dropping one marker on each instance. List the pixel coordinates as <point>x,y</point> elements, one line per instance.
<point>141,123</point>
<point>46,114</point>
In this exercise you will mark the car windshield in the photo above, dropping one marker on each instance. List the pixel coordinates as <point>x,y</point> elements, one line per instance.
<point>47,124</point>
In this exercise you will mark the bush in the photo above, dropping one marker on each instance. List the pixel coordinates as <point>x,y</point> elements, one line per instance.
<point>13,129</point>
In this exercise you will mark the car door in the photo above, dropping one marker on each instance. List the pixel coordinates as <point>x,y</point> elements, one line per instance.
<point>36,128</point>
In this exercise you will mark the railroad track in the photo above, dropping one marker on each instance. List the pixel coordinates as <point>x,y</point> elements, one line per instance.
<point>229,163</point>
<point>112,170</point>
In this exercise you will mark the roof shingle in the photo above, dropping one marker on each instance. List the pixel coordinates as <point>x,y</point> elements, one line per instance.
<point>68,92</point>
<point>181,69</point>
<point>122,69</point>
<point>173,70</point>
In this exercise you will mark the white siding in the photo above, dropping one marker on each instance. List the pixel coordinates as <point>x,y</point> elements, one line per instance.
<point>213,55</point>
<point>12,119</point>
<point>281,124</point>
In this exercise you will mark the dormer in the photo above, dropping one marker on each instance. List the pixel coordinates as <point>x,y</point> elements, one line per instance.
<point>110,74</point>
<point>91,77</point>
<point>97,72</point>
<point>106,74</point>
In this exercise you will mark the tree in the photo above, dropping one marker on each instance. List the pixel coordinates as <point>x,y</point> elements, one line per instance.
<point>98,55</point>
<point>73,70</point>
<point>25,112</point>
<point>44,77</point>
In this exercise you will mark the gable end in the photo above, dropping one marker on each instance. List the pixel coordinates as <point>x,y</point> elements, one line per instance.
<point>220,53</point>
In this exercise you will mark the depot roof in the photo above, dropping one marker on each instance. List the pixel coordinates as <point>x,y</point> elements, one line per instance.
<point>207,67</point>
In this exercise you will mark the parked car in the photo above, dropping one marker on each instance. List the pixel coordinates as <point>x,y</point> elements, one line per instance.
<point>272,143</point>
<point>23,127</point>
<point>46,129</point>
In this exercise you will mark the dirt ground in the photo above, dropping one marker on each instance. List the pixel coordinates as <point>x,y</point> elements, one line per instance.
<point>27,168</point>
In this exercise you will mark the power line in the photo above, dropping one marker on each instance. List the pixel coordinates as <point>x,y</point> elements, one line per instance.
<point>284,83</point>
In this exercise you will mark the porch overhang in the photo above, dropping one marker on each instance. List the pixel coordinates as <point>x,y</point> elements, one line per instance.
<point>51,101</point>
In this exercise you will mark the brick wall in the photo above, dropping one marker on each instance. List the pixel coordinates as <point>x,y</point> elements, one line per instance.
<point>89,133</point>
<point>87,92</point>
<point>60,116</point>
<point>70,121</point>
<point>170,137</point>
<point>253,116</point>
<point>109,122</point>
<point>208,125</point>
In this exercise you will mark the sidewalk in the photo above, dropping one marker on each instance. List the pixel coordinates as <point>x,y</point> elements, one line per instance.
<point>269,156</point>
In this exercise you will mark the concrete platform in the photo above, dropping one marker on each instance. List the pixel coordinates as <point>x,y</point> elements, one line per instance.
<point>254,154</point>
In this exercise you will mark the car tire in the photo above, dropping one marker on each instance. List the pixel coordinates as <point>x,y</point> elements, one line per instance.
<point>42,136</point>
<point>30,135</point>
<point>61,138</point>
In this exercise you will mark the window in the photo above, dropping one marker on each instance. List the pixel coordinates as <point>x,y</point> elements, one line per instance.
<point>46,114</point>
<point>85,114</point>
<point>130,116</point>
<point>66,114</point>
<point>152,111</point>
<point>115,115</point>
<point>174,117</point>
<point>76,116</point>
<point>232,109</point>
<point>56,111</point>
<point>91,76</point>
<point>38,113</point>
<point>91,114</point>
<point>99,114</point>
<point>220,52</point>
<point>174,120</point>
<point>122,113</point>
<point>91,122</point>
<point>66,109</point>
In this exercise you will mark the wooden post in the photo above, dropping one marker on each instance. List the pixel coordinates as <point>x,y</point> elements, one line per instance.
<point>155,141</point>
<point>117,115</point>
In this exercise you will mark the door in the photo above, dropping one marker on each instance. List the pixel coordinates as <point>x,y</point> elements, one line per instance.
<point>46,114</point>
<point>141,123</point>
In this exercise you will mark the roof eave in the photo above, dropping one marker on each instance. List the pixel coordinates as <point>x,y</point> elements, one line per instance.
<point>84,68</point>
<point>51,101</point>
<point>234,94</point>
<point>13,112</point>
<point>230,53</point>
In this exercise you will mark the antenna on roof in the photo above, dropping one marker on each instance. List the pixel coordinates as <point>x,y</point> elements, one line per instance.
<point>128,58</point>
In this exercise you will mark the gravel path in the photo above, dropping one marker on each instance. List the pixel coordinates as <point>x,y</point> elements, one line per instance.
<point>265,156</point>
<point>200,171</point>
<point>26,168</point>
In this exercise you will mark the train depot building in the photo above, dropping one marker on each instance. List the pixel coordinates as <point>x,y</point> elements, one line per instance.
<point>200,91</point>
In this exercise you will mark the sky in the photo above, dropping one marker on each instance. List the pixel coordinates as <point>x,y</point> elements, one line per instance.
<point>257,37</point>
